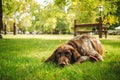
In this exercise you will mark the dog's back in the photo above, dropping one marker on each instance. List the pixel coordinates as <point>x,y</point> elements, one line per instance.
<point>86,45</point>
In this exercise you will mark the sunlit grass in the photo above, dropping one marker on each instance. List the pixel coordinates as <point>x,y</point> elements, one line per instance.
<point>55,37</point>
<point>23,59</point>
<point>43,36</point>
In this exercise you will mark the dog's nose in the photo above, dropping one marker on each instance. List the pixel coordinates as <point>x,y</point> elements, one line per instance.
<point>62,64</point>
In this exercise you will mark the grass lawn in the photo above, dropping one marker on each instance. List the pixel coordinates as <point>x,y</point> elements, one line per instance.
<point>22,59</point>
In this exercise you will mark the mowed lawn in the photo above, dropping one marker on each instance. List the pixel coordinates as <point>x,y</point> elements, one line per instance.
<point>23,59</point>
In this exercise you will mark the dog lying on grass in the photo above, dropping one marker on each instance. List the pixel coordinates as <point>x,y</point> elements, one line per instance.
<point>77,50</point>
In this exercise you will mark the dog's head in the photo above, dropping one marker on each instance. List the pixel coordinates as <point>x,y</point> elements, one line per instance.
<point>64,55</point>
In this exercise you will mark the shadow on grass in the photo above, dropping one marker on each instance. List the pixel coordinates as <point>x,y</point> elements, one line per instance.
<point>115,44</point>
<point>104,71</point>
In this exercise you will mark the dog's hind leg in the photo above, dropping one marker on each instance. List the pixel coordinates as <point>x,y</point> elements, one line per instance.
<point>95,54</point>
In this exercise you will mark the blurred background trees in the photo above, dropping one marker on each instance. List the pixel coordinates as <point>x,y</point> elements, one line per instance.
<point>58,16</point>
<point>1,14</point>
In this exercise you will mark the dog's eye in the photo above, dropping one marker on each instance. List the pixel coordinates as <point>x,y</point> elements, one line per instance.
<point>67,54</point>
<point>59,54</point>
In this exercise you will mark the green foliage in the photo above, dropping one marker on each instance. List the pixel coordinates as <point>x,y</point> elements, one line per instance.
<point>23,59</point>
<point>117,13</point>
<point>49,25</point>
<point>26,22</point>
<point>1,15</point>
<point>58,16</point>
<point>86,11</point>
<point>63,26</point>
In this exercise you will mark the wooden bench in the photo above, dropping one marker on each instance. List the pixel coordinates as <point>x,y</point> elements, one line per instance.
<point>98,26</point>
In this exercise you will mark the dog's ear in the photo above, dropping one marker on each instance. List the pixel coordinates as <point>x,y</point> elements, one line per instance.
<point>75,55</point>
<point>52,58</point>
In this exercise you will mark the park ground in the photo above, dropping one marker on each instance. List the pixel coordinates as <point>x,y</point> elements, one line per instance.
<point>22,58</point>
<point>56,37</point>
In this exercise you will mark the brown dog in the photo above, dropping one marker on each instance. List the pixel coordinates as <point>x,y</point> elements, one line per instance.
<point>79,49</point>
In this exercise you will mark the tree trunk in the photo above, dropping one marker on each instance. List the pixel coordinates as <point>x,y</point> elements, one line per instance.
<point>1,23</point>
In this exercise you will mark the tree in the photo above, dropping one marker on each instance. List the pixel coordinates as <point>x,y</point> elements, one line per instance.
<point>25,22</point>
<point>58,15</point>
<point>1,23</point>
<point>86,11</point>
<point>14,9</point>
<point>54,20</point>
<point>118,11</point>
<point>48,18</point>
<point>35,12</point>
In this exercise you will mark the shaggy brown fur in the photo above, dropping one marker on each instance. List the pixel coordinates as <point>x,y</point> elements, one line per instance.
<point>79,49</point>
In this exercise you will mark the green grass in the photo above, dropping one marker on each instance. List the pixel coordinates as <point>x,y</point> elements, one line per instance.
<point>22,59</point>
